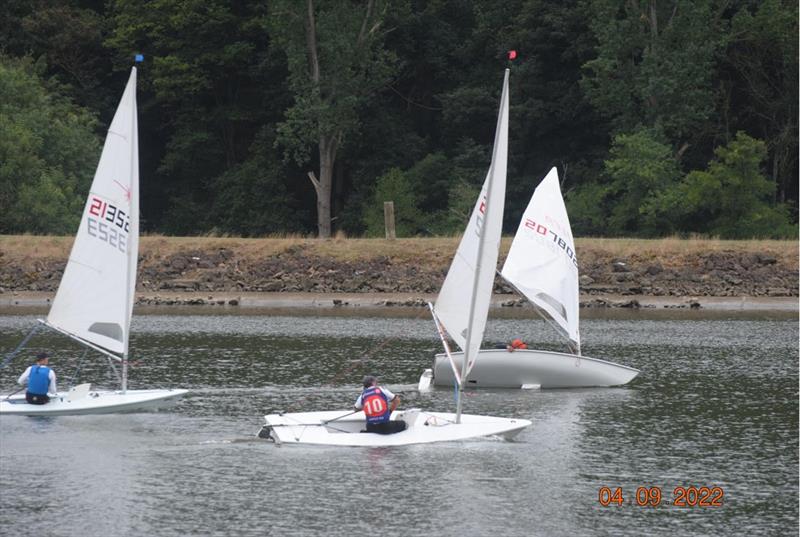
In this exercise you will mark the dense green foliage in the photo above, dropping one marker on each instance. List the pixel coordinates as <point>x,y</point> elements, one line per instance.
<point>662,117</point>
<point>48,152</point>
<point>394,186</point>
<point>731,198</point>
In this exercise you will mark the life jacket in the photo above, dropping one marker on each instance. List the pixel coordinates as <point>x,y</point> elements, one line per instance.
<point>376,405</point>
<point>518,344</point>
<point>39,380</point>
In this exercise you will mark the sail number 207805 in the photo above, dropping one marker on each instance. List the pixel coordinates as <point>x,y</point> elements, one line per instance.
<point>545,232</point>
<point>652,497</point>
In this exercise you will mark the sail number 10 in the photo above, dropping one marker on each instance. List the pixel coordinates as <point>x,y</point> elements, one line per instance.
<point>652,497</point>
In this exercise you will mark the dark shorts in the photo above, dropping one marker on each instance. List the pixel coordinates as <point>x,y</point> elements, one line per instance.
<point>387,427</point>
<point>36,399</point>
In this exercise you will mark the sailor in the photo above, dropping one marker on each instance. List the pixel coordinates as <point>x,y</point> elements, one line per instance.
<point>517,344</point>
<point>378,404</point>
<point>40,380</point>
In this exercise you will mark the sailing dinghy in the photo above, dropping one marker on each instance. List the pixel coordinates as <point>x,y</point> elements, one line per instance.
<point>471,273</point>
<point>94,301</point>
<point>543,267</point>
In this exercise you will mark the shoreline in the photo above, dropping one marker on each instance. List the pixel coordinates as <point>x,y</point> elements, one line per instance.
<point>246,300</point>
<point>406,273</point>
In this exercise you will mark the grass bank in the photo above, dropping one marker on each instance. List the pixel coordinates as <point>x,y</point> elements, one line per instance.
<point>436,250</point>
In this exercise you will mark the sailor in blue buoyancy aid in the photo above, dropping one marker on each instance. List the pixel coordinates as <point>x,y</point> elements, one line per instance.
<point>40,380</point>
<point>378,404</point>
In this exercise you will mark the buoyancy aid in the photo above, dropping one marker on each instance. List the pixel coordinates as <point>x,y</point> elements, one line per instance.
<point>39,380</point>
<point>518,344</point>
<point>376,405</point>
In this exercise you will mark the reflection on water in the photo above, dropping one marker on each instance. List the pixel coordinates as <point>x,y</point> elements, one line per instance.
<point>716,404</point>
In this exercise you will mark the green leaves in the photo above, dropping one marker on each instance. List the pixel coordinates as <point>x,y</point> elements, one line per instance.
<point>393,186</point>
<point>639,169</point>
<point>48,153</point>
<point>332,75</point>
<point>629,99</point>
<point>654,65</point>
<point>732,198</point>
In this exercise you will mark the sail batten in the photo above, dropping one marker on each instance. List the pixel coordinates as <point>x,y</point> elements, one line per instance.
<point>95,298</point>
<point>542,263</point>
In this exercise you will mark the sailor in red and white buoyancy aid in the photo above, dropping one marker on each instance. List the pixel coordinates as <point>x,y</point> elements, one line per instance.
<point>378,404</point>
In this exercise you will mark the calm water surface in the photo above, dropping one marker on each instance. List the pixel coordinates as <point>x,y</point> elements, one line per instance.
<point>716,404</point>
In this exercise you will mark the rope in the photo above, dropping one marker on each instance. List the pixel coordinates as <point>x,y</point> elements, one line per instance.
<point>10,356</point>
<point>305,426</point>
<point>80,363</point>
<point>114,368</point>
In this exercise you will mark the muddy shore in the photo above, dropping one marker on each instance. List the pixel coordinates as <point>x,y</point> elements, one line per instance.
<point>366,273</point>
<point>227,301</point>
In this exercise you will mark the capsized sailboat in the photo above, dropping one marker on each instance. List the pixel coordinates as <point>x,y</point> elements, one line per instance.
<point>94,301</point>
<point>471,273</point>
<point>543,267</point>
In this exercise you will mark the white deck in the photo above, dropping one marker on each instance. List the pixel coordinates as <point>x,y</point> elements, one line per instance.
<point>498,368</point>
<point>424,427</point>
<point>91,402</point>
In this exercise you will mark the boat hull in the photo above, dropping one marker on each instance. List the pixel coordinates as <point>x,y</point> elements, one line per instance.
<point>498,368</point>
<point>322,428</point>
<point>93,402</point>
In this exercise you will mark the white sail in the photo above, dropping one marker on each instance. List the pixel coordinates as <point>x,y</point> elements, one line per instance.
<point>463,302</point>
<point>542,263</point>
<point>95,299</point>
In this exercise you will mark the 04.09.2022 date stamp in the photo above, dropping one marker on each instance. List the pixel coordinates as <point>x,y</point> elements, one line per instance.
<point>654,497</point>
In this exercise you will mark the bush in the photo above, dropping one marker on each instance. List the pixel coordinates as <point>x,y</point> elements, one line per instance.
<point>393,186</point>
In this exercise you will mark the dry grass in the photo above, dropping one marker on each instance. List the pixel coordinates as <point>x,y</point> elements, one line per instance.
<point>696,245</point>
<point>32,247</point>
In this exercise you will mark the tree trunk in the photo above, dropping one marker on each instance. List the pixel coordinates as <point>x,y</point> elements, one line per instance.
<point>324,185</point>
<point>328,142</point>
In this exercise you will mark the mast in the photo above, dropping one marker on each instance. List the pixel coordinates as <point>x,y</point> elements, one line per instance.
<point>467,357</point>
<point>133,250</point>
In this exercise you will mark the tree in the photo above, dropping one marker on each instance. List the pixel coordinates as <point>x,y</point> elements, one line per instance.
<point>336,60</point>
<point>48,153</point>
<point>393,186</point>
<point>758,85</point>
<point>252,197</point>
<point>207,76</point>
<point>654,65</point>
<point>731,199</point>
<point>70,39</point>
<point>639,168</point>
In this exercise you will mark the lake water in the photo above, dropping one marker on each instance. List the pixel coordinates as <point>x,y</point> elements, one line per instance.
<point>716,405</point>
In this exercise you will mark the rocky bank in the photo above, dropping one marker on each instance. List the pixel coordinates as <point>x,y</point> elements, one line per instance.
<point>300,269</point>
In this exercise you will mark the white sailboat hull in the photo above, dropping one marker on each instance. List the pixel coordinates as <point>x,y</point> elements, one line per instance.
<point>498,368</point>
<point>322,428</point>
<point>92,402</point>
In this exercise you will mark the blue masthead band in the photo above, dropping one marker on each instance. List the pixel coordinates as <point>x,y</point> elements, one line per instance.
<point>138,58</point>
